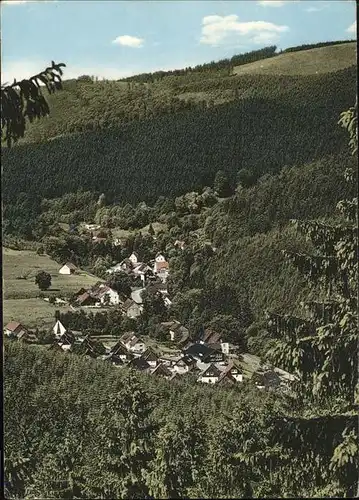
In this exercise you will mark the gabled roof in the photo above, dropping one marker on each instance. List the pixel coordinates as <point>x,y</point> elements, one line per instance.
<point>13,326</point>
<point>119,348</point>
<point>226,378</point>
<point>211,337</point>
<point>82,298</point>
<point>70,265</point>
<point>233,364</point>
<point>211,371</point>
<point>149,355</point>
<point>175,375</point>
<point>128,304</point>
<point>139,364</point>
<point>159,266</point>
<point>126,336</point>
<point>161,370</point>
<point>185,360</point>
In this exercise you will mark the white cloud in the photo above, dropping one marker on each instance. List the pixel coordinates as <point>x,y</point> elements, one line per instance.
<point>352,28</point>
<point>275,3</point>
<point>129,41</point>
<point>272,3</point>
<point>219,29</point>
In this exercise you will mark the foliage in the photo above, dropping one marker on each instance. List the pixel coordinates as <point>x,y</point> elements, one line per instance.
<point>43,280</point>
<point>25,99</point>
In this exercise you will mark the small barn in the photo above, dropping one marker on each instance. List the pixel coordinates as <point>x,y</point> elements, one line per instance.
<point>68,268</point>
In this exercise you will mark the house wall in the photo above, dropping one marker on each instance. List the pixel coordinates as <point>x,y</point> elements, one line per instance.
<point>181,369</point>
<point>139,347</point>
<point>114,297</point>
<point>133,312</point>
<point>133,259</point>
<point>209,380</point>
<point>65,270</point>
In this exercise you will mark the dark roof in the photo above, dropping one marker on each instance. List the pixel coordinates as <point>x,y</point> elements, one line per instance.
<point>161,370</point>
<point>186,360</point>
<point>113,358</point>
<point>118,348</point>
<point>233,364</point>
<point>199,350</point>
<point>211,371</point>
<point>149,355</point>
<point>139,364</point>
<point>226,378</point>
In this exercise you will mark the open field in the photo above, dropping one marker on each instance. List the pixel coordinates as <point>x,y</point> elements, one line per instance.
<point>30,312</point>
<point>21,300</point>
<point>305,62</point>
<point>19,262</point>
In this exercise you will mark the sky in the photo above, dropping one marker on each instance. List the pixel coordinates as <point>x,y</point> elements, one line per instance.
<point>114,39</point>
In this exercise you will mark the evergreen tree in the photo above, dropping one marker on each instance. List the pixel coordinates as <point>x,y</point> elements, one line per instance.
<point>151,231</point>
<point>122,444</point>
<point>221,184</point>
<point>321,349</point>
<point>179,453</point>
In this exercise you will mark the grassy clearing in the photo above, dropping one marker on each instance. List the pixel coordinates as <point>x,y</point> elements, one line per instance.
<point>19,262</point>
<point>305,62</point>
<point>30,312</point>
<point>21,297</point>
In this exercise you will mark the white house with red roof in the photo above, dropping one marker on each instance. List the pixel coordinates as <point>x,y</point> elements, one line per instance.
<point>14,329</point>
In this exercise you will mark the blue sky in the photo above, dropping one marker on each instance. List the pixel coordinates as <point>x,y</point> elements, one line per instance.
<point>112,39</point>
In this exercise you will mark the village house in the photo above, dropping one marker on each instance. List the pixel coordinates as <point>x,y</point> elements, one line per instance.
<point>169,361</point>
<point>139,364</point>
<point>14,329</point>
<point>176,331</point>
<point>133,343</point>
<point>180,244</point>
<point>226,379</point>
<point>209,336</point>
<point>234,370</point>
<point>131,309</point>
<point>184,365</point>
<point>161,370</point>
<point>209,375</point>
<point>114,359</point>
<point>66,341</point>
<point>133,258</point>
<point>120,350</point>
<point>136,295</point>
<point>58,329</point>
<point>100,294</point>
<point>92,227</point>
<point>151,357</point>
<point>204,353</point>
<point>161,267</point>
<point>68,268</point>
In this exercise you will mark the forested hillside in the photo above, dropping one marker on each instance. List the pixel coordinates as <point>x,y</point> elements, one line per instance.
<point>274,122</point>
